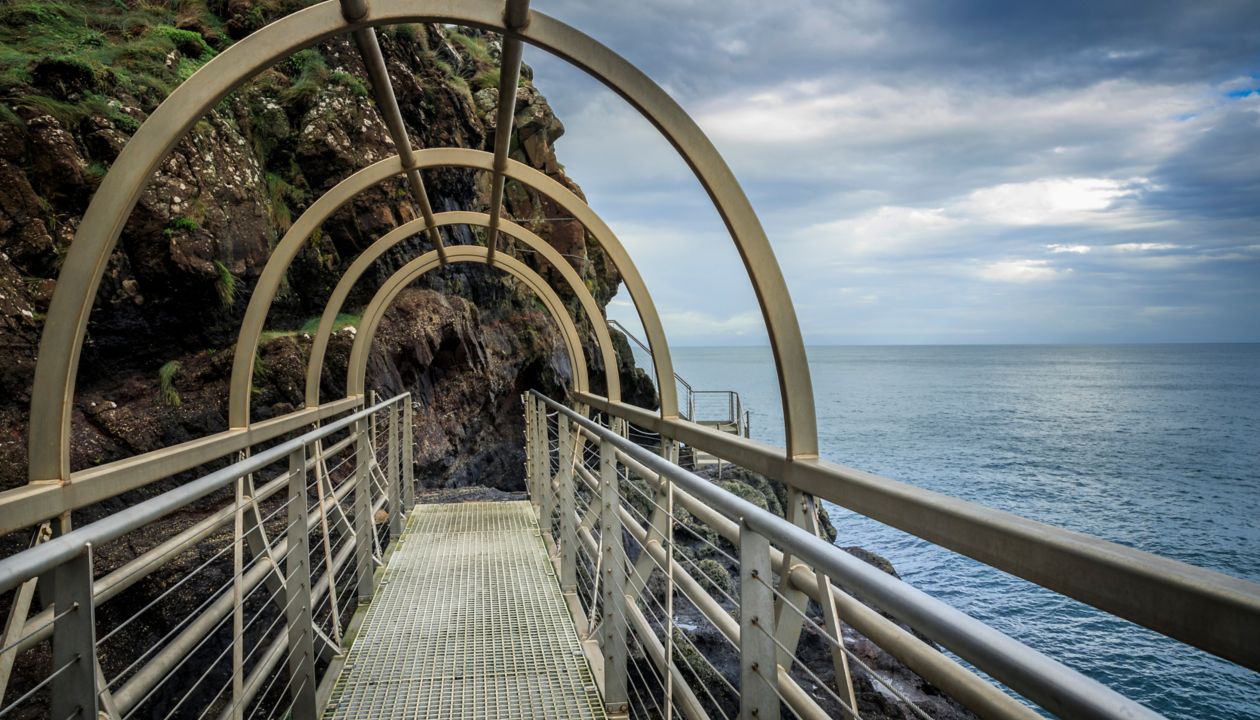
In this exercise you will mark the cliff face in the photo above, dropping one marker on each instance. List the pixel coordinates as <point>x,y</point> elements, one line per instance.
<point>76,80</point>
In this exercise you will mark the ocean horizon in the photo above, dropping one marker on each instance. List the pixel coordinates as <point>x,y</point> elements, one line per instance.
<point>1151,445</point>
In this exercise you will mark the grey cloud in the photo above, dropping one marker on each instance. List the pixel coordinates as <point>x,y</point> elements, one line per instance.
<point>1217,175</point>
<point>1023,92</point>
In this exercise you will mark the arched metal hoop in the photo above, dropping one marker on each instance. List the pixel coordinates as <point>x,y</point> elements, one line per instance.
<point>356,369</point>
<point>62,341</point>
<point>314,367</point>
<point>287,249</point>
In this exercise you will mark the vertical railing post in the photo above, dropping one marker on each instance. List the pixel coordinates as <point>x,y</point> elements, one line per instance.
<point>669,449</point>
<point>538,455</point>
<point>758,674</point>
<point>364,526</point>
<point>392,490</point>
<point>543,457</point>
<point>408,457</point>
<point>548,491</point>
<point>613,560</point>
<point>568,539</point>
<point>527,412</point>
<point>297,591</point>
<point>74,690</point>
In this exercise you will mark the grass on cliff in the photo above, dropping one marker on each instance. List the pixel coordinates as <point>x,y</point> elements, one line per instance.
<point>473,47</point>
<point>311,326</point>
<point>166,383</point>
<point>73,60</point>
<point>225,285</point>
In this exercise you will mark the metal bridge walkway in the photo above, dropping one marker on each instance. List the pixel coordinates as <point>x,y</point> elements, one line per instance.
<point>468,622</point>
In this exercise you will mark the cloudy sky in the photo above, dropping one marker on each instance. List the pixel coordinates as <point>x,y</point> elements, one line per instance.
<point>938,172</point>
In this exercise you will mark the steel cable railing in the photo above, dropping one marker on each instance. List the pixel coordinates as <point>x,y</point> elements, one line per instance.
<point>224,618</point>
<point>669,519</point>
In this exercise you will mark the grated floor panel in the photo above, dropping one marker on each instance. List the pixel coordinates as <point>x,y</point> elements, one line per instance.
<point>469,622</point>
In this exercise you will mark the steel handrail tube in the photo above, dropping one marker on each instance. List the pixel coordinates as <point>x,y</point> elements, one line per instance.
<point>28,505</point>
<point>1049,683</point>
<point>1203,608</point>
<point>46,556</point>
<point>644,347</point>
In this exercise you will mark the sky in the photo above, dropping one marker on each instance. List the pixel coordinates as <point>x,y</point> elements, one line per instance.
<point>934,171</point>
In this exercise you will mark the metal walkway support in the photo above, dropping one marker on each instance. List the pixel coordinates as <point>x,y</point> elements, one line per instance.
<point>468,622</point>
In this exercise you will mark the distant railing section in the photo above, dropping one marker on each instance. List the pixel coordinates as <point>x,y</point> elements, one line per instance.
<point>716,408</point>
<point>686,394</point>
<point>720,409</point>
<point>239,609</point>
<point>641,546</point>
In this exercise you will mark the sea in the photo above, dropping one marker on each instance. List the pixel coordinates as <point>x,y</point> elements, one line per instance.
<point>1152,446</point>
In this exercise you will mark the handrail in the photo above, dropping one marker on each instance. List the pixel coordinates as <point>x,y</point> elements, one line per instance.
<point>736,405</point>
<point>643,346</point>
<point>1044,680</point>
<point>689,407</point>
<point>30,504</point>
<point>1203,608</point>
<point>42,558</point>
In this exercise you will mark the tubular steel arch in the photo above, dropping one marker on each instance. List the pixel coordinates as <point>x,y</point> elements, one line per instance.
<point>356,368</point>
<point>315,363</point>
<point>62,340</point>
<point>273,272</point>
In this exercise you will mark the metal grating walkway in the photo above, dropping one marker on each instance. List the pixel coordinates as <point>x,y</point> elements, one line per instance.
<point>468,622</point>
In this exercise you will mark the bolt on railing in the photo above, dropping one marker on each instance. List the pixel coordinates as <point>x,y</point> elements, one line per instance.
<point>266,642</point>
<point>645,537</point>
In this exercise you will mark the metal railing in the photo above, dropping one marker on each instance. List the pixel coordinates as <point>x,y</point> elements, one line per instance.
<point>721,409</point>
<point>242,610</point>
<point>716,408</point>
<point>591,484</point>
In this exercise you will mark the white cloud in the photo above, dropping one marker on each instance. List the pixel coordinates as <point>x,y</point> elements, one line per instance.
<point>689,323</point>
<point>1144,247</point>
<point>1075,249</point>
<point>1048,201</point>
<point>804,111</point>
<point>1020,271</point>
<point>886,229</point>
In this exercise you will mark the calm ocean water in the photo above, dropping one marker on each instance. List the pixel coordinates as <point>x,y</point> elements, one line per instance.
<point>1153,446</point>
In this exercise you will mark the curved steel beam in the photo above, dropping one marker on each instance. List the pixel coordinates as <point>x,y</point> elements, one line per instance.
<point>315,363</point>
<point>356,368</point>
<point>62,341</point>
<point>286,250</point>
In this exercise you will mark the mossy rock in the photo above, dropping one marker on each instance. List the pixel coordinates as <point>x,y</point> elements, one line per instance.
<point>713,576</point>
<point>693,663</point>
<point>745,491</point>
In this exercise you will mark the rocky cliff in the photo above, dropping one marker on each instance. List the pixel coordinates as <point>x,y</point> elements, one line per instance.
<point>77,79</point>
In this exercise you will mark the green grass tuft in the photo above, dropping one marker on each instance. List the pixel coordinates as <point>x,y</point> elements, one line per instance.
<point>356,86</point>
<point>181,224</point>
<point>281,197</point>
<point>312,76</point>
<point>311,326</point>
<point>486,79</point>
<point>166,383</point>
<point>472,47</point>
<point>225,285</point>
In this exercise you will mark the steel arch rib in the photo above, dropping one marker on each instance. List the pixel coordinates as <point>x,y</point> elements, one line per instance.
<point>315,363</point>
<point>356,368</point>
<point>286,250</point>
<point>62,341</point>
